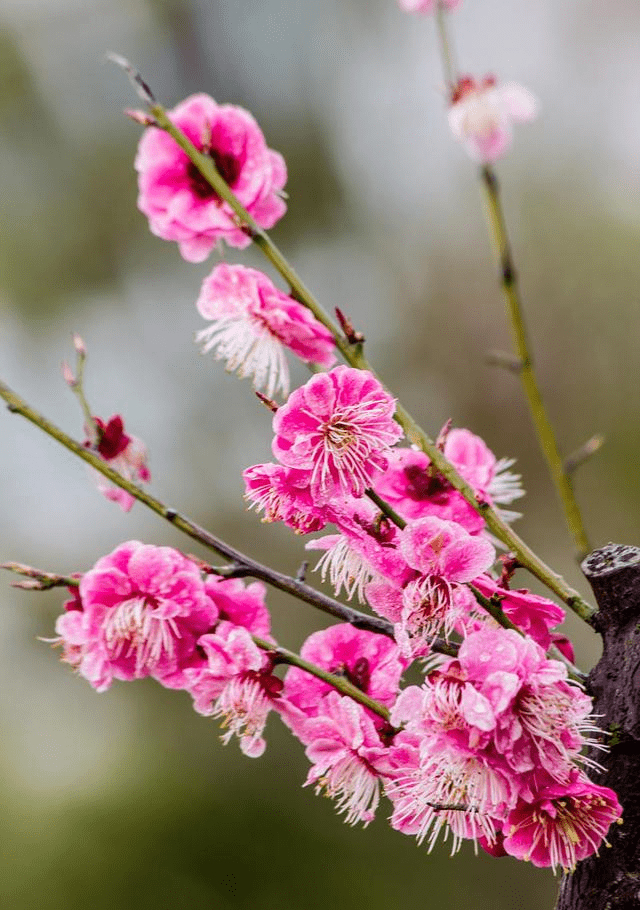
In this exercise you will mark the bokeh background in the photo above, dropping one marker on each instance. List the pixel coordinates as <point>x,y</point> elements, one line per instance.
<point>127,799</point>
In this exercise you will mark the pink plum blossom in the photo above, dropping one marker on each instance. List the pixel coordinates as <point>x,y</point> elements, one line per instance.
<point>369,661</point>
<point>531,613</point>
<point>447,789</point>
<point>282,494</point>
<point>235,683</point>
<point>178,201</point>
<point>252,324</point>
<point>490,478</point>
<point>365,548</point>
<point>426,6</point>
<point>482,112</point>
<point>446,557</point>
<point>348,756</point>
<point>143,610</point>
<point>502,697</point>
<point>491,733</point>
<point>415,490</point>
<point>125,454</point>
<point>563,824</point>
<point>338,428</point>
<point>241,604</point>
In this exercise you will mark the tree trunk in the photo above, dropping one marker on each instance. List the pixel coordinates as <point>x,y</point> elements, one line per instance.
<point>611,881</point>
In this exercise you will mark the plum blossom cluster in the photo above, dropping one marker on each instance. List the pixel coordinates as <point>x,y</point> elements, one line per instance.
<point>252,322</point>
<point>488,748</point>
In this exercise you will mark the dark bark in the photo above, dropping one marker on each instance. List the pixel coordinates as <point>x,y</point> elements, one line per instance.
<point>611,881</point>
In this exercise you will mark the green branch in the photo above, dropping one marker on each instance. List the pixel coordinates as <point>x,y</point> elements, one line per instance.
<point>546,437</point>
<point>284,656</point>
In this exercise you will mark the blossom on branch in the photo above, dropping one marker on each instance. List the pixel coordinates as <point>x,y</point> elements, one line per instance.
<point>564,824</point>
<point>235,683</point>
<point>415,489</point>
<point>141,611</point>
<point>371,662</point>
<point>253,322</point>
<point>337,428</point>
<point>349,758</point>
<point>482,112</point>
<point>180,203</point>
<point>282,494</point>
<point>125,454</point>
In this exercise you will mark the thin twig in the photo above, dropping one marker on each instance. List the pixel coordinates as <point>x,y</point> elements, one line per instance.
<point>508,278</point>
<point>544,430</point>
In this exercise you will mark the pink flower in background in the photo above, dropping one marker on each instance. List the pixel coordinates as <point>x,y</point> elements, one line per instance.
<point>338,428</point>
<point>143,610</point>
<point>178,201</point>
<point>415,490</point>
<point>125,454</point>
<point>253,322</point>
<point>482,112</point>
<point>490,478</point>
<point>426,6</point>
<point>563,824</point>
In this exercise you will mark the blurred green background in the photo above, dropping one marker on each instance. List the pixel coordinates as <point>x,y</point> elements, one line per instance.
<point>127,799</point>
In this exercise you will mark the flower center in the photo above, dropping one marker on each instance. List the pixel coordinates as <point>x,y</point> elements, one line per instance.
<point>339,436</point>
<point>227,166</point>
<point>133,629</point>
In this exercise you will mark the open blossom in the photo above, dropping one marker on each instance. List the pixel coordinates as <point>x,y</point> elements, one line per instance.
<point>447,558</point>
<point>348,756</point>
<point>364,550</point>
<point>124,453</point>
<point>282,494</point>
<point>252,324</point>
<point>425,6</point>
<point>563,824</point>
<point>438,788</point>
<point>415,489</point>
<point>178,201</point>
<point>490,478</point>
<point>482,112</point>
<point>235,684</point>
<point>142,610</point>
<point>369,661</point>
<point>338,429</point>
